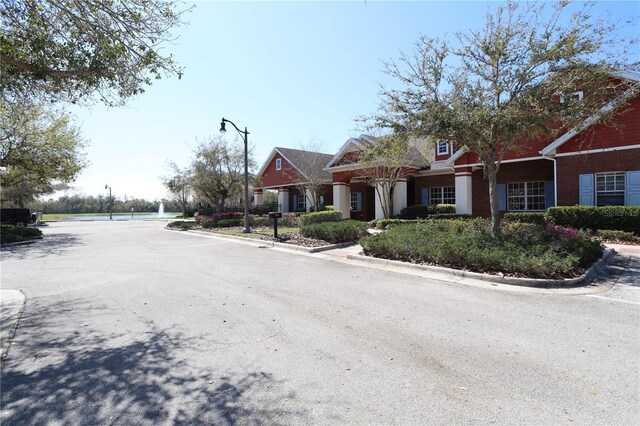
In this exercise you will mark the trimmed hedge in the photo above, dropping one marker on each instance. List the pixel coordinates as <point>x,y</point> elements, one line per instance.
<point>618,236</point>
<point>336,232</point>
<point>320,217</point>
<point>181,225</point>
<point>589,217</point>
<point>525,249</point>
<point>421,211</point>
<point>385,223</point>
<point>537,218</point>
<point>229,223</point>
<point>14,234</point>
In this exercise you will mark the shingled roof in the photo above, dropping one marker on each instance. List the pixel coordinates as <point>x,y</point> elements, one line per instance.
<point>305,162</point>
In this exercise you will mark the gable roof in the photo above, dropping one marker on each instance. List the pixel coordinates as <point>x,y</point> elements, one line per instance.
<point>297,159</point>
<point>413,157</point>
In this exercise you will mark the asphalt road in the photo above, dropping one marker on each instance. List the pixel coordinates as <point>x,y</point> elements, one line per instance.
<point>126,323</point>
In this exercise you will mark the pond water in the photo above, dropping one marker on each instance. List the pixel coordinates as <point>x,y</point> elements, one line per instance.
<point>125,216</point>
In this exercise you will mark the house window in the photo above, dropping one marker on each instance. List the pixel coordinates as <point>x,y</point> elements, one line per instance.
<point>443,147</point>
<point>522,196</point>
<point>610,189</point>
<point>302,202</point>
<point>445,195</point>
<point>278,163</point>
<point>355,196</point>
<point>575,97</point>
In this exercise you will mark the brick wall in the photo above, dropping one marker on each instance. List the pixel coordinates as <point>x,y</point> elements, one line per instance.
<point>526,171</point>
<point>570,167</point>
<point>431,182</point>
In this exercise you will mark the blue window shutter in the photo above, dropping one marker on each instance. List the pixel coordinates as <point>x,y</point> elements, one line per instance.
<point>295,202</point>
<point>585,192</point>
<point>425,196</point>
<point>632,190</point>
<point>502,197</point>
<point>549,194</point>
<point>359,201</point>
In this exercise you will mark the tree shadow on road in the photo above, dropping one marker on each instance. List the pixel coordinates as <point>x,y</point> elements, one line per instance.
<point>135,378</point>
<point>56,244</point>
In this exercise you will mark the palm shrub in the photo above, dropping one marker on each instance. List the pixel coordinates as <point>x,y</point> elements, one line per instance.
<point>336,232</point>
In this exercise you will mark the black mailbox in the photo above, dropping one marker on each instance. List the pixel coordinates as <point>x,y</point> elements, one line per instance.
<point>275,216</point>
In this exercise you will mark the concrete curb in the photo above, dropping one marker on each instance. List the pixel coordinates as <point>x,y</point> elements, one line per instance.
<point>589,276</point>
<point>21,243</point>
<point>12,304</point>
<point>269,244</point>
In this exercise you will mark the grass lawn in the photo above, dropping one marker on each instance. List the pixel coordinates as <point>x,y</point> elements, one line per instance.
<point>64,216</point>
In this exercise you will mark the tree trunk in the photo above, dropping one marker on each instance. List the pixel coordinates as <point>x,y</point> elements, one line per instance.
<point>491,173</point>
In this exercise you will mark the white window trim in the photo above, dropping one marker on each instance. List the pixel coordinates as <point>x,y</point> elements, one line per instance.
<point>526,196</point>
<point>605,192</point>
<point>302,202</point>
<point>442,197</point>
<point>353,203</point>
<point>580,94</point>
<point>278,163</point>
<point>446,148</point>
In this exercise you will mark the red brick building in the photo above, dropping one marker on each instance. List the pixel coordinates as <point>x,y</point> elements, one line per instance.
<point>287,171</point>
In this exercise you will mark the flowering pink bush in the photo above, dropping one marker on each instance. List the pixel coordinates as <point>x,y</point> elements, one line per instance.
<point>566,232</point>
<point>226,215</point>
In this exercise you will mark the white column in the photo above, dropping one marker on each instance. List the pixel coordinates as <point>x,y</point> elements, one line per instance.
<point>309,203</point>
<point>399,196</point>
<point>283,200</point>
<point>257,198</point>
<point>380,191</point>
<point>463,193</point>
<point>342,199</point>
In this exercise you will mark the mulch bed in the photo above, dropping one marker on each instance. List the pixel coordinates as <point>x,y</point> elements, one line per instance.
<point>297,240</point>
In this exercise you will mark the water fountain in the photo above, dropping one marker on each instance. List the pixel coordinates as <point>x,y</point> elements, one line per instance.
<point>161,210</point>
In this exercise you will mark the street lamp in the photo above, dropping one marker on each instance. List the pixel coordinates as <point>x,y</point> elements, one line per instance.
<point>110,205</point>
<point>245,136</point>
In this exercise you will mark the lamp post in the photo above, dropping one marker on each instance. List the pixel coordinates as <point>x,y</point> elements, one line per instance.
<point>245,136</point>
<point>110,204</point>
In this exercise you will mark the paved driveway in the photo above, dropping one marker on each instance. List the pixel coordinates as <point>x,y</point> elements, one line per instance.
<point>126,323</point>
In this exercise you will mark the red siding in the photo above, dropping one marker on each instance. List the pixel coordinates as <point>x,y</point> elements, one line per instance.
<point>602,136</point>
<point>272,177</point>
<point>441,157</point>
<point>571,166</point>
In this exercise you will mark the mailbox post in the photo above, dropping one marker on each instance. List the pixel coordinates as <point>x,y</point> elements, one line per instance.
<point>275,216</point>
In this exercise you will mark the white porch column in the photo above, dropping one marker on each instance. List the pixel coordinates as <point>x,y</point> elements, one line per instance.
<point>463,193</point>
<point>379,190</point>
<point>399,196</point>
<point>257,197</point>
<point>342,198</point>
<point>283,200</point>
<point>309,202</point>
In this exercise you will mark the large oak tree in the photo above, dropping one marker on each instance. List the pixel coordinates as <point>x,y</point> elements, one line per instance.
<point>491,90</point>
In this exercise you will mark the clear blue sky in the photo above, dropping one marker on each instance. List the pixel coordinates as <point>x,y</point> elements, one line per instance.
<point>289,71</point>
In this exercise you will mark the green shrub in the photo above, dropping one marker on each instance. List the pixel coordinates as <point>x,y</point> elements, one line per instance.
<point>181,225</point>
<point>421,211</point>
<point>229,223</point>
<point>589,217</point>
<point>615,236</point>
<point>386,223</point>
<point>336,232</point>
<point>320,217</point>
<point>529,217</point>
<point>14,234</point>
<point>525,249</point>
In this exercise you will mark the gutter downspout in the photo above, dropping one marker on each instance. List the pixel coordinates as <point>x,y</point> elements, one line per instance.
<point>555,178</point>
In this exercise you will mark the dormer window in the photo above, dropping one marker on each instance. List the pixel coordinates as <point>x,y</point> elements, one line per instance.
<point>278,163</point>
<point>572,97</point>
<point>443,148</point>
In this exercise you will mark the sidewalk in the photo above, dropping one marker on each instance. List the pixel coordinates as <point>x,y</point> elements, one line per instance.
<point>11,303</point>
